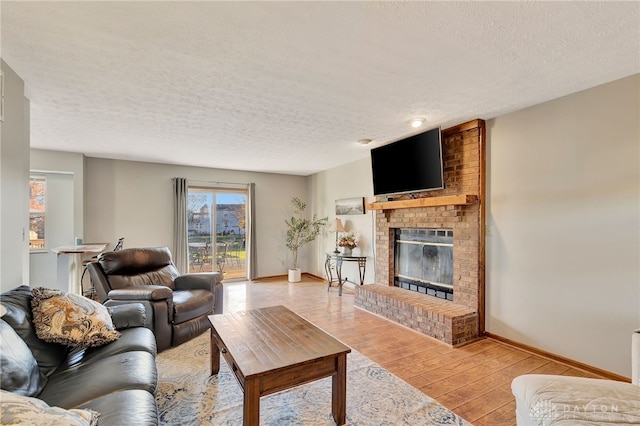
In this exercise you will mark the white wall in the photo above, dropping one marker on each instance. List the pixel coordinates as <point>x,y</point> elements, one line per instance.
<point>347,181</point>
<point>43,264</point>
<point>70,163</point>
<point>65,198</point>
<point>563,216</point>
<point>14,183</point>
<point>134,200</point>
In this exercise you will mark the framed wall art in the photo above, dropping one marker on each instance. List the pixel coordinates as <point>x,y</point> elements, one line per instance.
<point>348,206</point>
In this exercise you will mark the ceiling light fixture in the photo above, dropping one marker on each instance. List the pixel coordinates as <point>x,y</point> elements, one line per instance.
<point>364,141</point>
<point>417,122</point>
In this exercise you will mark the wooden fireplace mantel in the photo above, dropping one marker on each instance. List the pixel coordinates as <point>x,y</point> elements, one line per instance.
<point>445,200</point>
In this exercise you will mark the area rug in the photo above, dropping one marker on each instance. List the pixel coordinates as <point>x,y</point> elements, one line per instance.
<point>188,395</point>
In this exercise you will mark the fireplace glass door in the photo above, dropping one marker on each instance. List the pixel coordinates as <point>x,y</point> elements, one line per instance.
<point>424,261</point>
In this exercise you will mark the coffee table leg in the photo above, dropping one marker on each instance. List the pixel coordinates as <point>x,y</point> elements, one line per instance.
<point>339,391</point>
<point>215,355</point>
<point>251,407</point>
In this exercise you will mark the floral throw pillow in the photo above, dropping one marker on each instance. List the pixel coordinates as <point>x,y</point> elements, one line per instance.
<point>70,319</point>
<point>24,410</point>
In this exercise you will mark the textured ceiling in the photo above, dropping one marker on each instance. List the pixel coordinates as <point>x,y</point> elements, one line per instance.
<point>291,87</point>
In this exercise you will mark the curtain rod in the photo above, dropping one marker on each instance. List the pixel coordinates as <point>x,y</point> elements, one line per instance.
<point>217,183</point>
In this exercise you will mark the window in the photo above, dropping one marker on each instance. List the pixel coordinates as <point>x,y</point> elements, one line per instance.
<point>217,226</point>
<point>37,211</point>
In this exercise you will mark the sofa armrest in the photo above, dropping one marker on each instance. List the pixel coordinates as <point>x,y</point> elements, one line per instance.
<point>128,316</point>
<point>211,281</point>
<point>198,281</point>
<point>146,292</point>
<point>158,317</point>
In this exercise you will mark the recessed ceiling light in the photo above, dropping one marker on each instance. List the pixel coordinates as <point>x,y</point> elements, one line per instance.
<point>364,141</point>
<point>417,122</point>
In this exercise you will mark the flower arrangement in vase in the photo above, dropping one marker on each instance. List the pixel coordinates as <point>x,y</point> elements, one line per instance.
<point>348,242</point>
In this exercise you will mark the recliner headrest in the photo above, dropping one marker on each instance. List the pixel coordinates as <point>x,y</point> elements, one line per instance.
<point>134,260</point>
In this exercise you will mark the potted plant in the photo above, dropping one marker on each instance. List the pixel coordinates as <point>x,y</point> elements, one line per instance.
<point>301,231</point>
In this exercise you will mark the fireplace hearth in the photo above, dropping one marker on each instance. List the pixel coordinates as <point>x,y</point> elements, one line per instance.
<point>424,261</point>
<point>458,210</point>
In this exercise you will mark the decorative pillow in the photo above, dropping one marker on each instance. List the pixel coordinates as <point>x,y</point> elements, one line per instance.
<point>70,319</point>
<point>23,410</point>
<point>19,371</point>
<point>19,316</point>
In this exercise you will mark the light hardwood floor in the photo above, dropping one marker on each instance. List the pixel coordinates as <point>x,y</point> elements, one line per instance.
<point>473,381</point>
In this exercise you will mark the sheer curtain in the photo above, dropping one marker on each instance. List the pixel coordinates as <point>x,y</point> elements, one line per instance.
<point>251,232</point>
<point>180,251</point>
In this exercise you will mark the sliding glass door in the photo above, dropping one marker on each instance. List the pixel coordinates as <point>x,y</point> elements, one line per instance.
<point>217,225</point>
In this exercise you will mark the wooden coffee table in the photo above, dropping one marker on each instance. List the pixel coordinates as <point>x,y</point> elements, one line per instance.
<point>273,349</point>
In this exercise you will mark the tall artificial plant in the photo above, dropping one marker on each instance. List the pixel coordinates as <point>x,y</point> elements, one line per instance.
<point>302,230</point>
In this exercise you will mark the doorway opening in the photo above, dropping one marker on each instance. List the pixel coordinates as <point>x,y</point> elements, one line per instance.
<point>217,225</point>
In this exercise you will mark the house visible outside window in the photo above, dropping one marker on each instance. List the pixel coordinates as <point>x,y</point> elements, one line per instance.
<point>37,211</point>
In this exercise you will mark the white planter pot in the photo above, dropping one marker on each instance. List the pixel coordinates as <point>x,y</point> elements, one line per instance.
<point>295,275</point>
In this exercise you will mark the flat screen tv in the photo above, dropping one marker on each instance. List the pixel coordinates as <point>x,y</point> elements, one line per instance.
<point>408,165</point>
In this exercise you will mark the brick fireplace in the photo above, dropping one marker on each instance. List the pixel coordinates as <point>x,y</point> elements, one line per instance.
<point>458,208</point>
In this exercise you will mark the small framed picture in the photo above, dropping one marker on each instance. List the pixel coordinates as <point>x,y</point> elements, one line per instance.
<point>350,206</point>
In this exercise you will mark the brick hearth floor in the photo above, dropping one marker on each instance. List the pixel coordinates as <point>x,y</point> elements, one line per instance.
<point>444,320</point>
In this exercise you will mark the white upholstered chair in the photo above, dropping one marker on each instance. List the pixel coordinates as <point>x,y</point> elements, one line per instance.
<point>550,400</point>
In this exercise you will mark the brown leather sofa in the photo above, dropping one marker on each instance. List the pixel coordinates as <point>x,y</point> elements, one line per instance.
<point>118,380</point>
<point>177,305</point>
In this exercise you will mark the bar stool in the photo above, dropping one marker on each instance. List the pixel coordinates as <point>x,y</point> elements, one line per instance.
<point>91,292</point>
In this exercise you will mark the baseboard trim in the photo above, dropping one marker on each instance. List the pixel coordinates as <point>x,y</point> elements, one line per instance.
<point>314,276</point>
<point>558,358</point>
<point>271,277</point>
<point>286,277</point>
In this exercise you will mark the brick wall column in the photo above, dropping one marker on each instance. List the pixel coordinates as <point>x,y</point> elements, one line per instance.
<point>462,159</point>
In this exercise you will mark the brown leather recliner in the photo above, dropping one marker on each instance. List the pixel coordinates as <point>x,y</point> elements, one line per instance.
<point>177,305</point>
